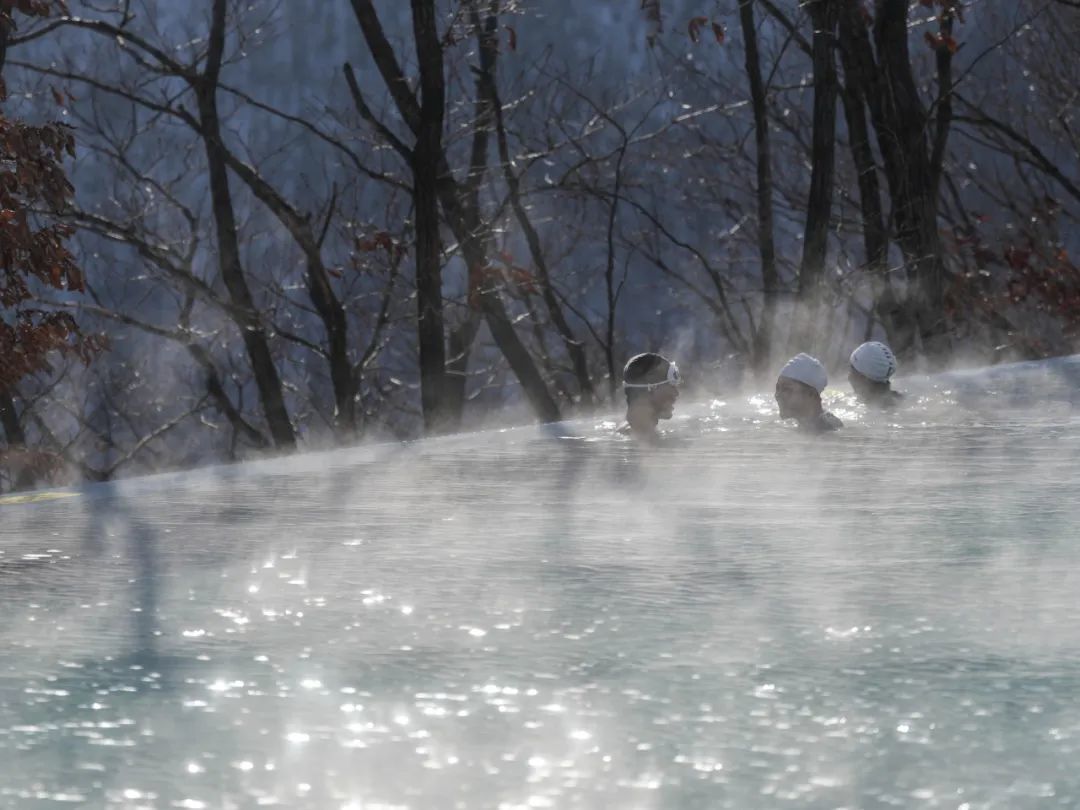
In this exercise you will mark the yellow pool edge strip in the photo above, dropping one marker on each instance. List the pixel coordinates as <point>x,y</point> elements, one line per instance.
<point>35,497</point>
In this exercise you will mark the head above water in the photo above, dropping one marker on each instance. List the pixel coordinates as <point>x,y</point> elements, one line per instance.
<point>872,367</point>
<point>799,387</point>
<point>874,361</point>
<point>651,382</point>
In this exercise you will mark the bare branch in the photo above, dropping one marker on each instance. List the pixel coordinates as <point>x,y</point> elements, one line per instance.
<point>366,113</point>
<point>385,60</point>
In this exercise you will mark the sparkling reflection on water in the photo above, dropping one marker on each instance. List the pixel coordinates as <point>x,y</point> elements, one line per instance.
<point>743,618</point>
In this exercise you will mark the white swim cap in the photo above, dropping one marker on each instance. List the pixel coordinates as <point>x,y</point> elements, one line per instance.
<point>806,369</point>
<point>875,361</point>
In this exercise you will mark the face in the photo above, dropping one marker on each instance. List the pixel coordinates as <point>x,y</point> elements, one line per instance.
<point>865,390</point>
<point>662,398</point>
<point>796,400</point>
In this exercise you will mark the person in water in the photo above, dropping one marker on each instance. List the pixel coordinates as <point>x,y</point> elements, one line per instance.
<point>798,394</point>
<point>872,367</point>
<point>651,384</point>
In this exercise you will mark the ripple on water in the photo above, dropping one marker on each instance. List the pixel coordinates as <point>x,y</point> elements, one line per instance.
<point>885,618</point>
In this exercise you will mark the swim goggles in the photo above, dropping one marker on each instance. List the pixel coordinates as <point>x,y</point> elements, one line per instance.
<point>672,379</point>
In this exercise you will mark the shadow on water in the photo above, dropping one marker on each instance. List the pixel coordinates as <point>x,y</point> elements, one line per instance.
<point>111,517</point>
<point>863,621</point>
<point>91,703</point>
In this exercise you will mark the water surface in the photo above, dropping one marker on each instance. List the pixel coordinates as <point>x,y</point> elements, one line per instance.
<point>745,617</point>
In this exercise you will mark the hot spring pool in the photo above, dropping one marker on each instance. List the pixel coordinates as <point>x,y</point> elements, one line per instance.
<point>745,618</point>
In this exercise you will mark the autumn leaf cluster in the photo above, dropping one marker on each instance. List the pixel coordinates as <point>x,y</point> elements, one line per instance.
<point>34,256</point>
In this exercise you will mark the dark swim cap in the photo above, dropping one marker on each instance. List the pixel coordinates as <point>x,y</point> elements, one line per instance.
<point>648,371</point>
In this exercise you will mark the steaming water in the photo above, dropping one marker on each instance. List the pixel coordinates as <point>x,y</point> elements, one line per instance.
<point>746,617</point>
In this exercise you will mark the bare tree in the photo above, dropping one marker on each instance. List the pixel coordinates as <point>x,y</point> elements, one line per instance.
<point>464,221</point>
<point>205,86</point>
<point>763,334</point>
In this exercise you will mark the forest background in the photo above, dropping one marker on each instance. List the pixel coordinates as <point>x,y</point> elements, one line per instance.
<point>233,228</point>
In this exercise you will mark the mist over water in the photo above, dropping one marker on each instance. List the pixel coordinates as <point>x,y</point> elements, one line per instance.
<point>743,617</point>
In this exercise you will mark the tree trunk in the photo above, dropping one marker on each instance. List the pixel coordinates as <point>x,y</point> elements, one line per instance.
<point>903,140</point>
<point>16,439</point>
<point>9,417</point>
<point>762,339</point>
<point>426,168</point>
<point>429,305</point>
<point>255,340</point>
<point>459,343</point>
<point>461,203</point>
<point>807,332</point>
<point>319,289</point>
<point>517,355</point>
<point>460,339</point>
<point>332,313</point>
<point>875,236</point>
<point>575,348</point>
<point>5,33</point>
<point>609,272</point>
<point>465,224</point>
<point>854,95</point>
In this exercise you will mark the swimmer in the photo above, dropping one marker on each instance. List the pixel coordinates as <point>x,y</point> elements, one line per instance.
<point>651,383</point>
<point>872,367</point>
<point>798,394</point>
